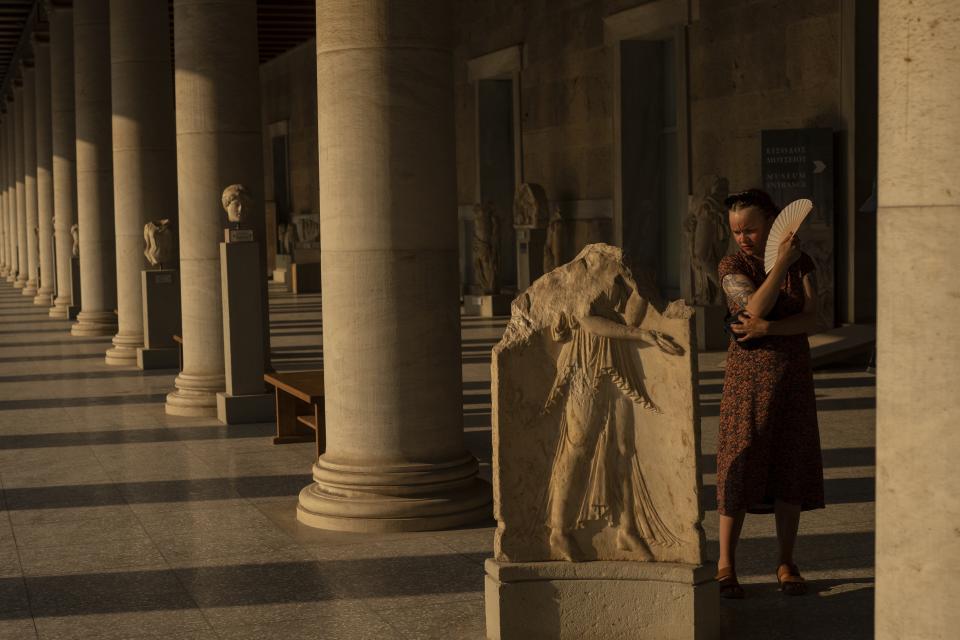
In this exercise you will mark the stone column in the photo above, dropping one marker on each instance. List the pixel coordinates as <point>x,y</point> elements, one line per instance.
<point>144,151</point>
<point>30,173</point>
<point>4,268</point>
<point>218,143</point>
<point>395,458</point>
<point>918,346</point>
<point>44,295</point>
<point>11,155</point>
<point>98,282</point>
<point>64,151</point>
<point>22,269</point>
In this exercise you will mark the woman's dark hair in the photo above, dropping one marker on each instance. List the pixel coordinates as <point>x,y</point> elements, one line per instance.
<point>752,198</point>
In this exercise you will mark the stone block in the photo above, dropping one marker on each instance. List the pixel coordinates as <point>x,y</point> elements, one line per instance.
<point>487,306</point>
<point>305,278</point>
<point>242,318</point>
<point>161,308</point>
<point>600,601</point>
<point>245,409</point>
<point>162,358</point>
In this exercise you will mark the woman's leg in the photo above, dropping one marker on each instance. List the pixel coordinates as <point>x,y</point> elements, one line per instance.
<point>730,527</point>
<point>788,522</point>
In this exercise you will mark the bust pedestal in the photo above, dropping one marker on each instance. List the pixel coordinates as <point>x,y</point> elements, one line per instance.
<point>160,289</point>
<point>245,399</point>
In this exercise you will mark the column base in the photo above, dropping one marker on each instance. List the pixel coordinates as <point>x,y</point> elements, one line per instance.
<point>30,288</point>
<point>94,323</point>
<point>163,358</point>
<point>195,396</point>
<point>124,350</point>
<point>12,278</point>
<point>60,310</point>
<point>602,600</point>
<point>43,299</point>
<point>19,284</point>
<point>245,409</point>
<point>413,497</point>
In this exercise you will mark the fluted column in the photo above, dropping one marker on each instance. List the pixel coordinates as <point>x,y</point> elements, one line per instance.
<point>98,281</point>
<point>22,269</point>
<point>395,457</point>
<point>218,144</point>
<point>11,154</point>
<point>64,152</point>
<point>44,295</point>
<point>144,151</point>
<point>30,174</point>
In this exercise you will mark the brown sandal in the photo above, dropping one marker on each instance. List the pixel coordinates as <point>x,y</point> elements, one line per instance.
<point>790,581</point>
<point>729,587</point>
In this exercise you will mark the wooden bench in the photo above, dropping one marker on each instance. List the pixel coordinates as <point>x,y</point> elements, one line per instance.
<point>179,341</point>
<point>299,402</point>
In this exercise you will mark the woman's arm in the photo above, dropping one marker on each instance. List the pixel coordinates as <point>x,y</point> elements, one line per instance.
<point>760,302</point>
<point>805,322</point>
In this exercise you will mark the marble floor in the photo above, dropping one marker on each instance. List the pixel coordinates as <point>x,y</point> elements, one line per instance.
<point>117,521</point>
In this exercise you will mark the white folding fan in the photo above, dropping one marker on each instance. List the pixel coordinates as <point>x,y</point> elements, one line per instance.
<point>788,221</point>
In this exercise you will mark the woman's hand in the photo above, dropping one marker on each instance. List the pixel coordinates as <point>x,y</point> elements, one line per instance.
<point>789,251</point>
<point>749,327</point>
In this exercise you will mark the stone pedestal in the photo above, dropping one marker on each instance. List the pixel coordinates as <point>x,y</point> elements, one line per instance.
<point>73,294</point>
<point>530,243</point>
<point>64,152</point>
<point>245,399</point>
<point>305,278</point>
<point>487,306</point>
<point>602,600</point>
<point>281,272</point>
<point>710,332</point>
<point>160,291</point>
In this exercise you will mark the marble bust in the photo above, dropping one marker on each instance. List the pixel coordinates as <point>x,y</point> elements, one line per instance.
<point>237,201</point>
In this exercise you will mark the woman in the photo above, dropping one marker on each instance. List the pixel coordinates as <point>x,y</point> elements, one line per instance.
<point>768,454</point>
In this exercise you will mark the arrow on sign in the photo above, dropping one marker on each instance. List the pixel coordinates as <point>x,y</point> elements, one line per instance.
<point>819,166</point>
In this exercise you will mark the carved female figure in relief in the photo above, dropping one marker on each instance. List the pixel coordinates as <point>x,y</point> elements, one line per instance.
<point>595,474</point>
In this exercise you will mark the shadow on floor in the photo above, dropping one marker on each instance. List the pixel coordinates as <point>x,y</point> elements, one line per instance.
<point>134,436</point>
<point>148,492</point>
<point>85,401</point>
<point>245,585</point>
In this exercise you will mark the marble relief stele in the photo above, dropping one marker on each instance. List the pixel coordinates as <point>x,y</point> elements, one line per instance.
<point>595,426</point>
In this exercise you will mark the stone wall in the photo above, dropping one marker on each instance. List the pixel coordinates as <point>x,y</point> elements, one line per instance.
<point>772,64</point>
<point>754,64</point>
<point>288,86</point>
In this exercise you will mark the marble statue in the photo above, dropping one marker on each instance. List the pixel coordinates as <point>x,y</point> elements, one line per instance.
<point>486,248</point>
<point>288,239</point>
<point>595,429</point>
<point>237,202</point>
<point>160,242</point>
<point>708,239</point>
<point>530,206</point>
<point>75,235</point>
<point>308,227</point>
<point>553,246</point>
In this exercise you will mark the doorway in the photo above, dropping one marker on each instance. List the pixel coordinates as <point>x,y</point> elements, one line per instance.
<point>653,191</point>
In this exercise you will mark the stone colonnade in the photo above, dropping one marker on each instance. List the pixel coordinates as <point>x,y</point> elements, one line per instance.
<point>918,346</point>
